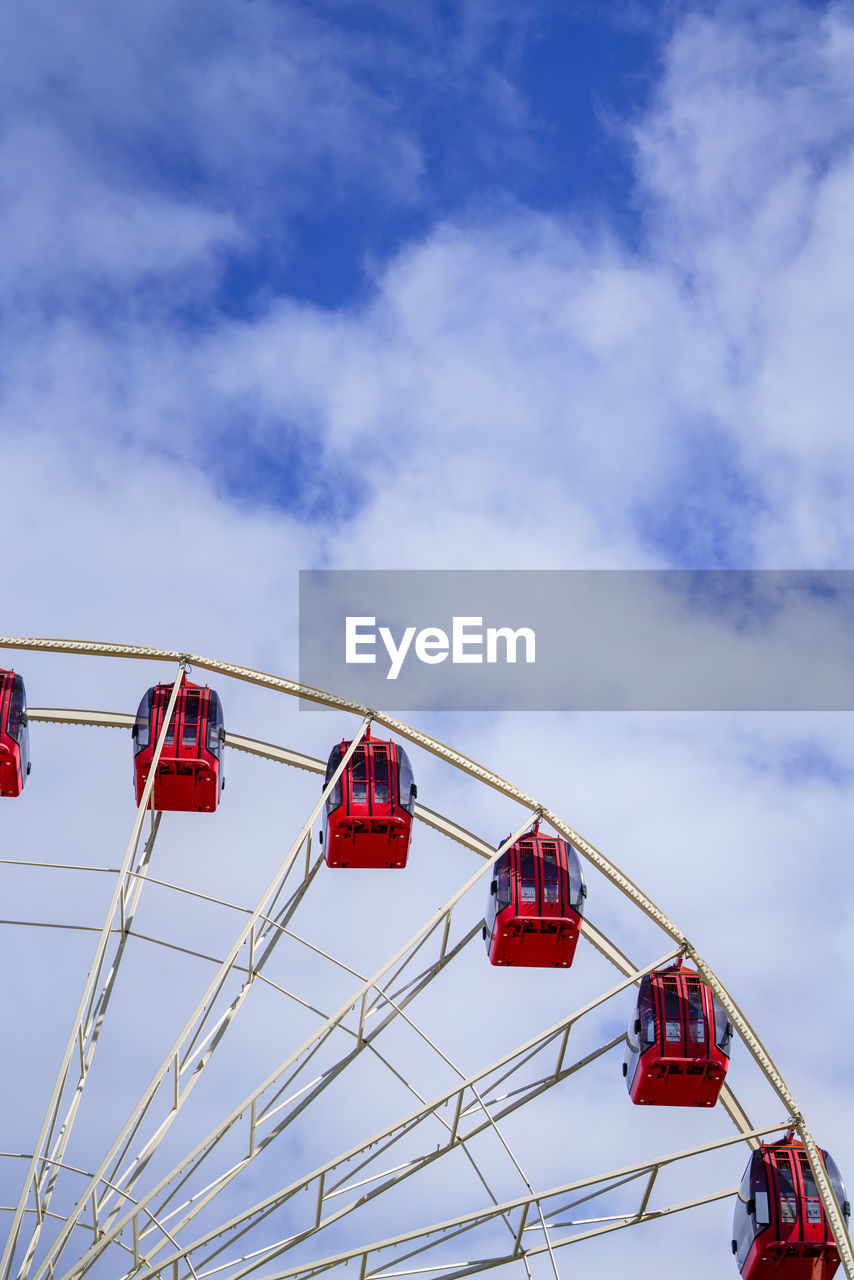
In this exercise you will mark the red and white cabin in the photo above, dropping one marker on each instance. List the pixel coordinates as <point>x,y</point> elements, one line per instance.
<point>779,1227</point>
<point>678,1041</point>
<point>368,817</point>
<point>536,902</point>
<point>189,773</point>
<point>14,735</point>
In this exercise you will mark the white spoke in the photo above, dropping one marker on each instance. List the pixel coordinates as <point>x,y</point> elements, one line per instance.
<point>438,1232</point>
<point>124,1211</point>
<point>81,1028</point>
<point>181,1050</point>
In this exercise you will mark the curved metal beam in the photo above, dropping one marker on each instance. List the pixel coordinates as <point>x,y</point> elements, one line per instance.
<point>622,882</point>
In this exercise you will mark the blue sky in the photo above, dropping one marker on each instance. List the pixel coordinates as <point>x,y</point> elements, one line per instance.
<point>351,267</point>
<point>336,133</point>
<point>439,284</point>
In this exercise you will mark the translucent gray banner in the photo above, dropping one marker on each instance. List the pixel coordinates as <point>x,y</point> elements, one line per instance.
<point>555,640</point>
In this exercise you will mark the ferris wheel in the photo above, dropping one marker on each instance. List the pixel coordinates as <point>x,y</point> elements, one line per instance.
<point>231,1053</point>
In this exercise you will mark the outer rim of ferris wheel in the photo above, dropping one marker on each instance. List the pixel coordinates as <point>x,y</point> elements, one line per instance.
<point>46,1161</point>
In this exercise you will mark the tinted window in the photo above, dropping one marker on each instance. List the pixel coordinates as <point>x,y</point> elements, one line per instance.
<point>24,747</point>
<point>16,709</point>
<point>359,776</point>
<point>142,724</point>
<point>336,797</point>
<point>672,1011</point>
<point>527,875</point>
<point>695,1012</point>
<point>162,695</point>
<point>786,1188</point>
<point>723,1030</point>
<point>576,880</point>
<point>551,874</point>
<point>502,876</point>
<point>381,783</point>
<point>646,1013</point>
<point>812,1199</point>
<point>836,1182</point>
<point>405,781</point>
<point>754,1188</point>
<point>215,723</point>
<point>190,727</point>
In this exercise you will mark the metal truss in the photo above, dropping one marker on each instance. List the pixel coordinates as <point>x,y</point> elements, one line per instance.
<point>150,1225</point>
<point>518,1209</point>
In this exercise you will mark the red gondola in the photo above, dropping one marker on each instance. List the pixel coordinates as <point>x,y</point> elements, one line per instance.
<point>368,818</point>
<point>779,1227</point>
<point>536,902</point>
<point>189,772</point>
<point>678,1041</point>
<point>14,735</point>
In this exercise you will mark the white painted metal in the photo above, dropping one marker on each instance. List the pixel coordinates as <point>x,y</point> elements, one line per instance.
<point>382,999</point>
<point>35,1175</point>
<point>355,1001</point>
<point>378,1143</point>
<point>466,1221</point>
<point>188,1037</point>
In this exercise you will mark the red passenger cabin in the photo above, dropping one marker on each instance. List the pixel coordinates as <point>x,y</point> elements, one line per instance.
<point>779,1226</point>
<point>189,772</point>
<point>536,902</point>
<point>678,1041</point>
<point>368,818</point>
<point>14,735</point>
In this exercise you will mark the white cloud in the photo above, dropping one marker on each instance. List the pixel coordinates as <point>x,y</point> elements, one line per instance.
<point>261,110</point>
<point>747,162</point>
<point>515,392</point>
<point>70,234</point>
<point>117,543</point>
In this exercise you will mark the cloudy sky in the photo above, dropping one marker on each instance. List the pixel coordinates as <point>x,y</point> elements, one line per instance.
<point>453,284</point>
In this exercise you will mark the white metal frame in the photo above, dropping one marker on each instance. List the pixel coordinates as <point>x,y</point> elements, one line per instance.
<point>142,1224</point>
